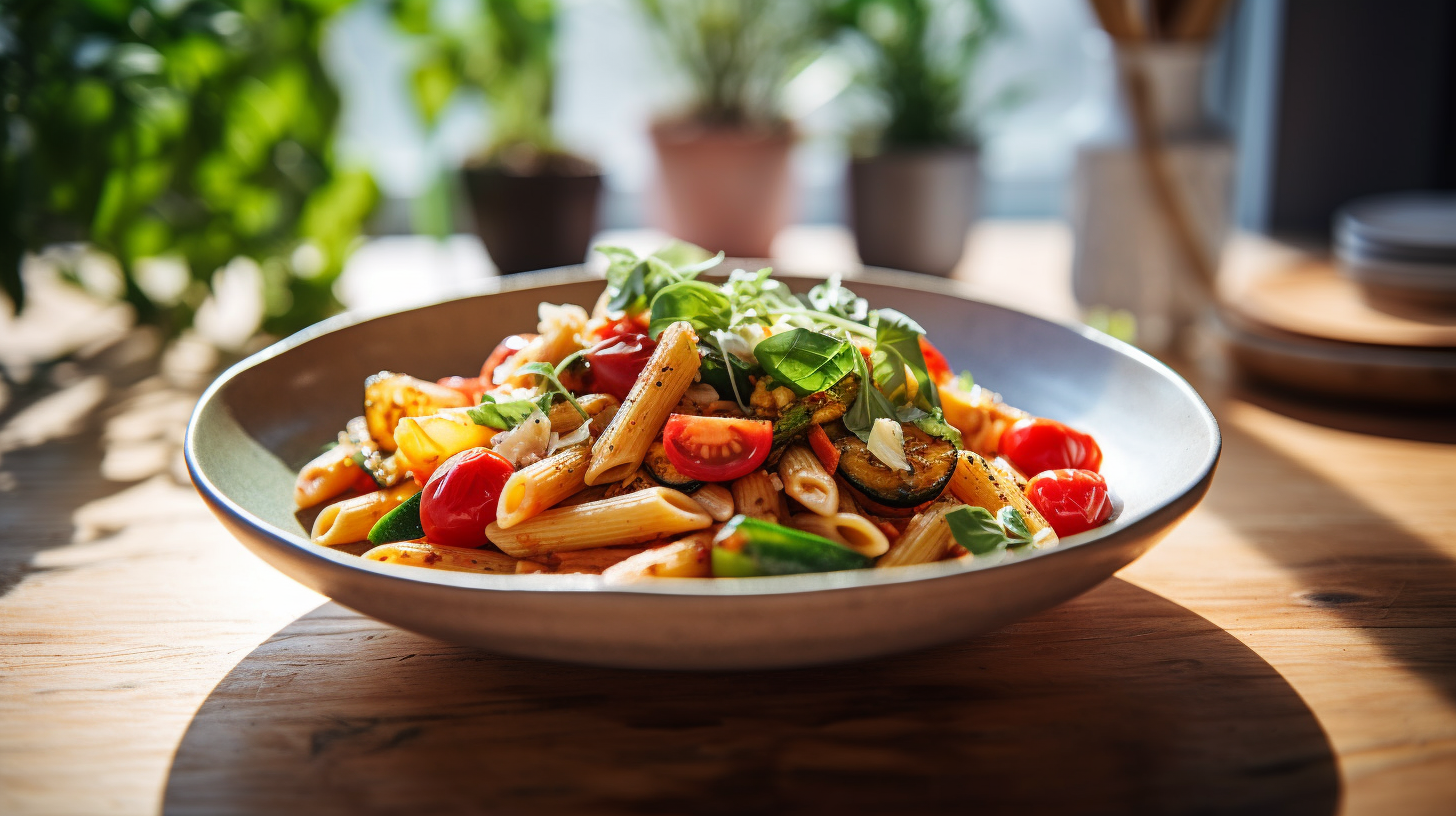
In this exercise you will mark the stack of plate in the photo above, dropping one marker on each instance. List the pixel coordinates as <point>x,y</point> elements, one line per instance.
<point>1400,249</point>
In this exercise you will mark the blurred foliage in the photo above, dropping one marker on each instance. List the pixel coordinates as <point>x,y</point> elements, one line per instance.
<point>198,131</point>
<point>502,49</point>
<point>919,59</point>
<point>738,54</point>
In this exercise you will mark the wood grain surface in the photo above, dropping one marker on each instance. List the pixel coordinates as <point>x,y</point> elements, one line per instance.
<point>1290,648</point>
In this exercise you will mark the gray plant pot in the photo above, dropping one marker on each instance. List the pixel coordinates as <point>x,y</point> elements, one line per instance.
<point>911,209</point>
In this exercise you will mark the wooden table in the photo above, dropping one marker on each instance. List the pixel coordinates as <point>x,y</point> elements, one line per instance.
<point>1291,648</point>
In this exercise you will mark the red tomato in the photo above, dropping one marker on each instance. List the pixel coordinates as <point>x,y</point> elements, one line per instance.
<point>823,448</point>
<point>471,387</point>
<point>1071,500</point>
<point>617,328</point>
<point>461,497</point>
<point>505,350</point>
<point>1035,444</point>
<point>716,449</point>
<point>935,363</point>
<point>616,362</point>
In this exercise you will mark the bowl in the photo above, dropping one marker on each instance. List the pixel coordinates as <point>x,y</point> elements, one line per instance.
<point>269,414</point>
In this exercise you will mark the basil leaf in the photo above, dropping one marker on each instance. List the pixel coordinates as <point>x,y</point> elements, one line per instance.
<point>701,304</point>
<point>548,374</point>
<point>805,361</point>
<point>633,281</point>
<point>1015,525</point>
<point>897,347</point>
<point>934,424</point>
<point>869,405</point>
<point>507,415</point>
<point>975,529</point>
<point>832,298</point>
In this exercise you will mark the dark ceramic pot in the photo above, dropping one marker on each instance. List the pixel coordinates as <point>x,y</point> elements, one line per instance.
<point>534,221</point>
<point>912,209</point>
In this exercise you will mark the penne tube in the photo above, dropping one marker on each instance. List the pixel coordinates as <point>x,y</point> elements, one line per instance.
<point>592,561</point>
<point>428,441</point>
<point>716,500</point>
<point>928,538</point>
<point>351,520</point>
<point>434,556</point>
<point>329,474</point>
<point>850,529</point>
<point>565,418</point>
<point>688,557</point>
<point>537,487</point>
<point>756,495</point>
<point>631,519</point>
<point>807,482</point>
<point>979,483</point>
<point>666,377</point>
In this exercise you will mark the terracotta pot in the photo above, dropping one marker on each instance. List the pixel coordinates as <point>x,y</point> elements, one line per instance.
<point>726,189</point>
<point>912,209</point>
<point>535,221</point>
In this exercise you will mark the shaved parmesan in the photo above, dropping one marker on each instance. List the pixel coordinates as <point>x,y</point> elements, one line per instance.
<point>887,444</point>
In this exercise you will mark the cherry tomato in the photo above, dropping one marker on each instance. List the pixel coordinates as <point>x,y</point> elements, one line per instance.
<point>716,449</point>
<point>505,350</point>
<point>1071,500</point>
<point>823,448</point>
<point>1036,444</point>
<point>616,362</point>
<point>621,326</point>
<point>461,497</point>
<point>935,363</point>
<point>471,387</point>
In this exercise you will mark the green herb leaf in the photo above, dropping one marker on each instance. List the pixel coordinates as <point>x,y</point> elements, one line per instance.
<point>897,347</point>
<point>869,405</point>
<point>507,415</point>
<point>548,375</point>
<point>805,361</point>
<point>832,298</point>
<point>633,282</point>
<point>934,424</point>
<point>975,529</point>
<point>701,304</point>
<point>1015,525</point>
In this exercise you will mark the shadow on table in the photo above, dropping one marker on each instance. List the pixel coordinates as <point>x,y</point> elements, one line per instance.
<point>1117,702</point>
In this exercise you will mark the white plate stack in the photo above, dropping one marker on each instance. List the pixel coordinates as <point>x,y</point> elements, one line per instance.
<point>1400,249</point>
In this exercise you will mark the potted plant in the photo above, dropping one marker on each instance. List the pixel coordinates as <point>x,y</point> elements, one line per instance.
<point>724,159</point>
<point>913,181</point>
<point>534,203</point>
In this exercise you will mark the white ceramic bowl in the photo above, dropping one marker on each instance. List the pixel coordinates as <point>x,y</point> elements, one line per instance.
<point>269,414</point>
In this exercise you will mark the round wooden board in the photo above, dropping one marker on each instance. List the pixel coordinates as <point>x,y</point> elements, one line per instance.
<point>1310,297</point>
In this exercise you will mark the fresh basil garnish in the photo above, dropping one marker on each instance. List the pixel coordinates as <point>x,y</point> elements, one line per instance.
<point>549,376</point>
<point>869,406</point>
<point>701,304</point>
<point>979,532</point>
<point>632,281</point>
<point>507,415</point>
<point>805,361</point>
<point>897,348</point>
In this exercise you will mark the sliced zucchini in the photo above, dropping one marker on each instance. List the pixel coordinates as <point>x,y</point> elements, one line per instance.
<point>815,409</point>
<point>662,470</point>
<point>748,546</point>
<point>932,462</point>
<point>400,524</point>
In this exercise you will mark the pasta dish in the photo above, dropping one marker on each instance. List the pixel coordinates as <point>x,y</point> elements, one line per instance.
<point>687,429</point>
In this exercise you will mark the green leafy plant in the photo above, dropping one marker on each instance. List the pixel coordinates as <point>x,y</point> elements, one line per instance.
<point>737,54</point>
<point>918,58</point>
<point>198,131</point>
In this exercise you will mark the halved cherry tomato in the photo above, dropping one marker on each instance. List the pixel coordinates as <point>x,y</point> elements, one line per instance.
<point>505,350</point>
<point>616,362</point>
<point>1035,444</point>
<point>823,448</point>
<point>461,497</point>
<point>716,449</point>
<point>935,362</point>
<point>471,387</point>
<point>1071,500</point>
<point>623,325</point>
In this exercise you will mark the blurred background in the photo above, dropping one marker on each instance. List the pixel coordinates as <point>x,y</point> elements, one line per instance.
<point>226,172</point>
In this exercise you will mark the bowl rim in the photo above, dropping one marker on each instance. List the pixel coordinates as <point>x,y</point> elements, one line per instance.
<point>1180,500</point>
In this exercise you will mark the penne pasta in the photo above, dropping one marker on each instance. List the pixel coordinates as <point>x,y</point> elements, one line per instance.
<point>927,538</point>
<point>537,487</point>
<point>688,557</point>
<point>434,556</point>
<point>807,482</point>
<point>630,519</point>
<point>669,372</point>
<point>351,520</point>
<point>592,561</point>
<point>756,495</point>
<point>329,474</point>
<point>979,483</point>
<point>716,500</point>
<point>565,418</point>
<point>850,529</point>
